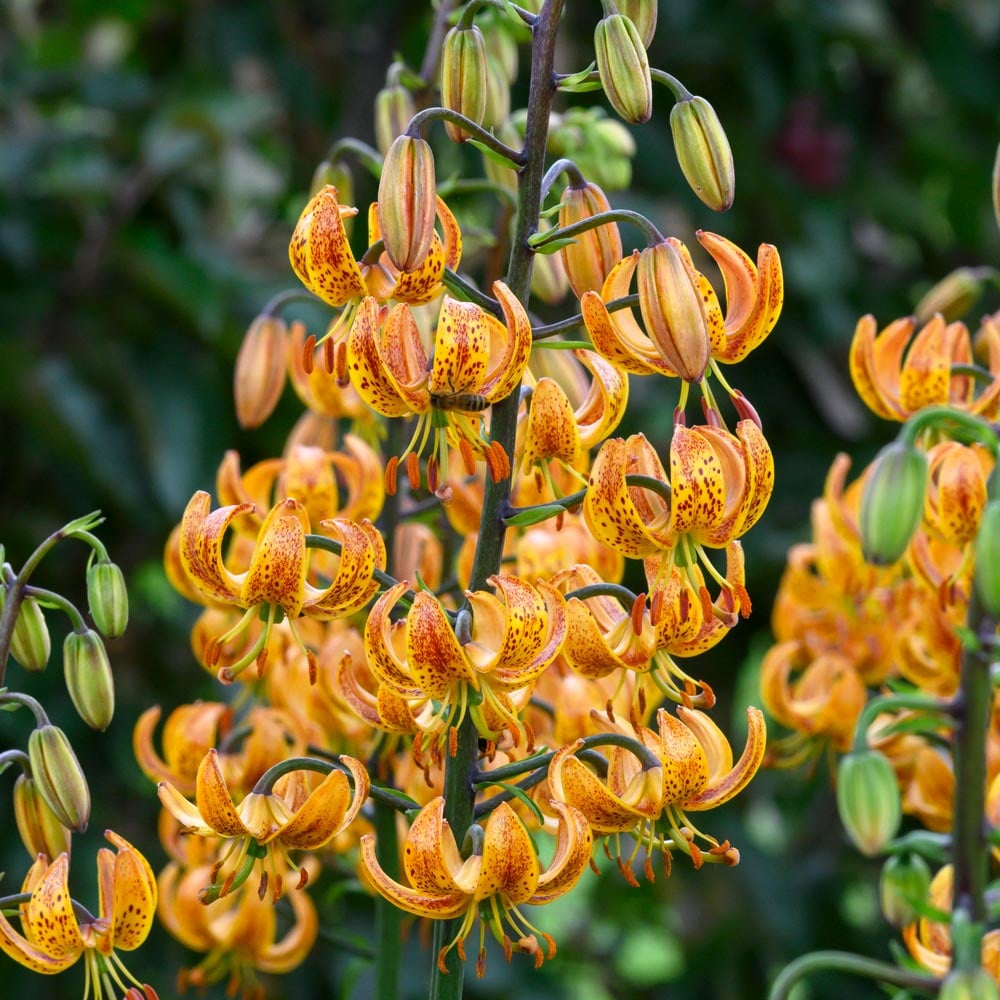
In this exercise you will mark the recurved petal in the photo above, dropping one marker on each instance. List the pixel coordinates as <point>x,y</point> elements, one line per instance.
<point>49,920</point>
<point>133,897</point>
<point>214,800</point>
<point>510,864</point>
<point>461,348</point>
<point>571,857</point>
<point>279,957</point>
<point>329,809</point>
<point>433,653</point>
<point>507,370</point>
<point>685,766</point>
<point>535,628</point>
<point>201,534</point>
<point>55,956</point>
<point>618,338</point>
<point>697,482</point>
<point>602,410</point>
<point>365,365</point>
<point>573,783</point>
<point>760,473</point>
<point>551,431</point>
<point>925,378</point>
<point>431,857</point>
<point>724,779</point>
<point>353,585</point>
<point>277,572</point>
<point>182,810</point>
<point>875,361</point>
<point>380,649</point>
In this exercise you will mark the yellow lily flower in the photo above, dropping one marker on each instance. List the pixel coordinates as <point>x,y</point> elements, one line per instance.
<point>487,670</point>
<point>476,361</point>
<point>276,578</point>
<point>239,933</point>
<point>696,773</point>
<point>956,490</point>
<point>266,825</point>
<point>894,388</point>
<point>57,932</point>
<point>491,885</point>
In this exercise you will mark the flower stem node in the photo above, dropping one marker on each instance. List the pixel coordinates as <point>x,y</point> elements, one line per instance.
<point>464,77</point>
<point>868,800</point>
<point>30,644</point>
<point>703,152</point>
<point>904,885</point>
<point>407,203</point>
<point>892,502</point>
<point>987,577</point>
<point>969,984</point>
<point>60,778</point>
<point>107,596</point>
<point>624,68</point>
<point>88,678</point>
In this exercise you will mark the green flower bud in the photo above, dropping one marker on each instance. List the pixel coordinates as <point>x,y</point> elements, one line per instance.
<point>88,678</point>
<point>407,202</point>
<point>339,175</point>
<point>497,94</point>
<point>394,108</point>
<point>892,502</point>
<point>504,177</point>
<point>503,50</point>
<point>548,275</point>
<point>624,68</point>
<point>903,885</point>
<point>108,596</point>
<point>987,578</point>
<point>39,827</point>
<point>642,13</point>
<point>59,777</point>
<point>463,77</point>
<point>703,152</point>
<point>953,296</point>
<point>868,800</point>
<point>30,644</point>
<point>969,984</point>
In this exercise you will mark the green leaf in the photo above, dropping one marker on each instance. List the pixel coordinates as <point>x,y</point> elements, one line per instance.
<point>550,246</point>
<point>522,796</point>
<point>534,515</point>
<point>580,83</point>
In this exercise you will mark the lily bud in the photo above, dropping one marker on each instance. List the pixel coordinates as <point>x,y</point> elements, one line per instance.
<point>39,827</point>
<point>903,886</point>
<point>60,779</point>
<point>673,309</point>
<point>394,108</point>
<point>337,175</point>
<point>953,296</point>
<point>590,259</point>
<point>407,201</point>
<point>987,578</point>
<point>868,800</point>
<point>89,679</point>
<point>642,13</point>
<point>504,177</point>
<point>548,274</point>
<point>703,152</point>
<point>996,188</point>
<point>892,502</point>
<point>624,68</point>
<point>30,644</point>
<point>969,984</point>
<point>261,369</point>
<point>107,596</point>
<point>497,93</point>
<point>502,48</point>
<point>463,77</point>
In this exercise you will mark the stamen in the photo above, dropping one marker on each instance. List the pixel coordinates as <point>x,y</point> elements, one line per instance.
<point>340,365</point>
<point>413,470</point>
<point>329,349</point>
<point>391,468</point>
<point>309,354</point>
<point>468,456</point>
<point>638,612</point>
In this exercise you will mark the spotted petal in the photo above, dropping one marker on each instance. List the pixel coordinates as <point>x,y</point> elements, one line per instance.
<point>329,809</point>
<point>433,653</point>
<point>510,864</point>
<point>571,857</point>
<point>724,779</point>
<point>506,370</point>
<point>277,572</point>
<point>127,891</point>
<point>353,585</point>
<point>202,530</point>
<point>214,800</point>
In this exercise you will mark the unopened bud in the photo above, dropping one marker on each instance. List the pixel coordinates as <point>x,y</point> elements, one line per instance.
<point>969,984</point>
<point>987,578</point>
<point>39,827</point>
<point>261,369</point>
<point>407,201</point>
<point>107,596</point>
<point>89,679</point>
<point>868,800</point>
<point>30,644</point>
<point>892,502</point>
<point>703,152</point>
<point>624,68</point>
<point>502,47</point>
<point>996,188</point>
<point>590,259</point>
<point>903,888</point>
<point>394,108</point>
<point>504,177</point>
<point>642,13</point>
<point>673,309</point>
<point>339,175</point>
<point>953,296</point>
<point>463,77</point>
<point>59,777</point>
<point>548,275</point>
<point>497,94</point>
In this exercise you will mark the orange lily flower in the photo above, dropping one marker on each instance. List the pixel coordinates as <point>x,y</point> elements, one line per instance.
<point>277,575</point>
<point>696,773</point>
<point>239,933</point>
<point>476,361</point>
<point>492,884</point>
<point>956,490</point>
<point>266,825</point>
<point>493,655</point>
<point>895,388</point>
<point>58,932</point>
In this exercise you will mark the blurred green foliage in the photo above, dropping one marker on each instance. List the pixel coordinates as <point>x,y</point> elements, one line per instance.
<point>153,158</point>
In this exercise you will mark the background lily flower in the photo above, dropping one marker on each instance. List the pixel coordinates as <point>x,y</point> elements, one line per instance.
<point>57,933</point>
<point>491,884</point>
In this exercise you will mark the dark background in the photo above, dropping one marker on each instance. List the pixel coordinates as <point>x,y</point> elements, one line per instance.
<point>153,159</point>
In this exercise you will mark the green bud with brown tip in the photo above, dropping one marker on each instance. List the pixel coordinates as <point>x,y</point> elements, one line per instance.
<point>88,678</point>
<point>868,800</point>
<point>407,201</point>
<point>394,108</point>
<point>463,78</point>
<point>59,777</point>
<point>892,502</point>
<point>107,596</point>
<point>624,68</point>
<point>30,644</point>
<point>703,152</point>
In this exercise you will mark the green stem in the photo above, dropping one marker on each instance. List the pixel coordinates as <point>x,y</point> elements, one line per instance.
<point>432,54</point>
<point>464,289</point>
<point>652,234</point>
<point>573,322</point>
<point>384,579</point>
<point>562,166</point>
<point>892,703</point>
<point>51,599</point>
<point>488,139</point>
<point>679,90</point>
<point>843,961</point>
<point>371,158</point>
<point>964,427</point>
<point>388,919</point>
<point>17,698</point>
